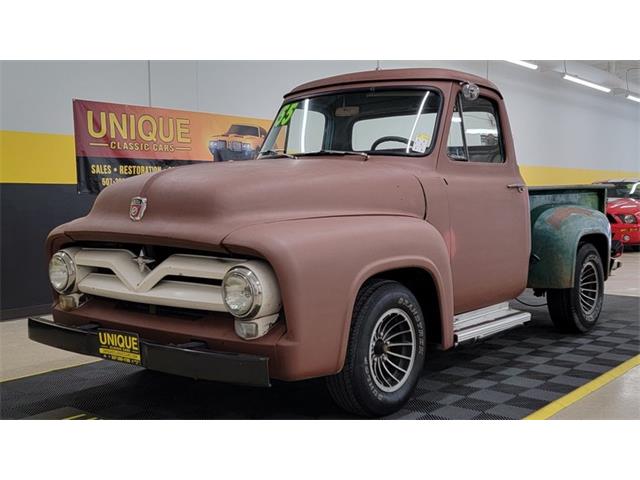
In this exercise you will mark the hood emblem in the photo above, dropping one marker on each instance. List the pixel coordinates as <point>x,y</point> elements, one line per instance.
<point>136,208</point>
<point>142,260</point>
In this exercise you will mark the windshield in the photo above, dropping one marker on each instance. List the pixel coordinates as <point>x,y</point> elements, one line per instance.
<point>389,122</point>
<point>623,190</point>
<point>243,130</point>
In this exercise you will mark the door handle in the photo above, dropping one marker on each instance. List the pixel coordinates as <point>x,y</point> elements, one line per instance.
<point>519,186</point>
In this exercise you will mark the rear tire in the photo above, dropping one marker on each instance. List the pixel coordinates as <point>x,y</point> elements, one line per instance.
<point>385,353</point>
<point>576,309</point>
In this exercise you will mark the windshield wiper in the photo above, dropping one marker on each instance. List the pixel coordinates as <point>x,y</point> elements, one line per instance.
<point>335,152</point>
<point>274,154</point>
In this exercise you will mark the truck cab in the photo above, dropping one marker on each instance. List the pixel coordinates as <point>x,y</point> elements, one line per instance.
<point>384,215</point>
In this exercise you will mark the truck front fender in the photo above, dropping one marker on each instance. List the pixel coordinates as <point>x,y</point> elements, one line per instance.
<point>321,264</point>
<point>556,232</point>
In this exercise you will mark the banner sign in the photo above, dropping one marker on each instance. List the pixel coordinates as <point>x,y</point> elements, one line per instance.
<point>115,141</point>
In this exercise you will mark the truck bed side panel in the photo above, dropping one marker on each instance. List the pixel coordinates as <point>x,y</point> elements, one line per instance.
<point>589,196</point>
<point>561,217</point>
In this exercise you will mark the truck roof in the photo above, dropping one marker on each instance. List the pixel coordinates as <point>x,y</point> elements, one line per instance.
<point>399,74</point>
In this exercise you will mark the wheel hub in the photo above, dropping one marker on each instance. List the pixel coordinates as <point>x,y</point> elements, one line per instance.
<point>379,347</point>
<point>589,288</point>
<point>392,350</point>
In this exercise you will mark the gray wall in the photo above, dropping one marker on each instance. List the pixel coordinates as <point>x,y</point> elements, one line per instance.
<point>555,123</point>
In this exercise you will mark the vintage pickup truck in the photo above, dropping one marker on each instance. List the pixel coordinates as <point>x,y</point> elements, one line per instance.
<point>384,217</point>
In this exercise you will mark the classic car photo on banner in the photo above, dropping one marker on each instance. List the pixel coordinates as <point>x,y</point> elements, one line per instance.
<point>115,141</point>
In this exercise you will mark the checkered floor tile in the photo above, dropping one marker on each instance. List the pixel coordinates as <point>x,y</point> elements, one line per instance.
<point>505,377</point>
<point>521,371</point>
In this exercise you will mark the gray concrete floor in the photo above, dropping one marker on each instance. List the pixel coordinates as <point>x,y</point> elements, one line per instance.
<point>625,280</point>
<point>617,400</point>
<point>20,357</point>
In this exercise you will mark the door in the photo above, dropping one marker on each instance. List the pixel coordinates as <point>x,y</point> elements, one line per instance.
<point>488,203</point>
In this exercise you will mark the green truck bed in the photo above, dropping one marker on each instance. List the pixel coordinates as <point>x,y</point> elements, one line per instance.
<point>591,196</point>
<point>561,218</point>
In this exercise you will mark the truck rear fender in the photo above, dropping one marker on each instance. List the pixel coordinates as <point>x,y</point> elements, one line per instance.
<point>322,263</point>
<point>557,231</point>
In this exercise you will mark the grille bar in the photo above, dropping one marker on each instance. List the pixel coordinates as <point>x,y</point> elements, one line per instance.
<point>167,293</point>
<point>115,273</point>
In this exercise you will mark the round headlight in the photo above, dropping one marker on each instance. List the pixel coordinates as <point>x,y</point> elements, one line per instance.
<point>628,218</point>
<point>241,292</point>
<point>62,272</point>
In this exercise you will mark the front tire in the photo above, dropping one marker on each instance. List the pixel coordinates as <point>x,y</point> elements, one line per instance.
<point>386,351</point>
<point>576,309</point>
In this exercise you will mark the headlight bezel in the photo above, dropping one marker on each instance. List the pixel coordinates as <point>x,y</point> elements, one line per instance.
<point>628,218</point>
<point>71,270</point>
<point>255,287</point>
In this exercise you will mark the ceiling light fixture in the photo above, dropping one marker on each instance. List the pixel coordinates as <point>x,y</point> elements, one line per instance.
<point>522,63</point>
<point>586,83</point>
<point>631,97</point>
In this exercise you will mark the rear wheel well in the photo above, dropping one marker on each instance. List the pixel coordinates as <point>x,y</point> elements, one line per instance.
<point>423,287</point>
<point>601,244</point>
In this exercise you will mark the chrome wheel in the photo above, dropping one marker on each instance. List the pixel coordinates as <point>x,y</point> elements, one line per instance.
<point>392,350</point>
<point>589,288</point>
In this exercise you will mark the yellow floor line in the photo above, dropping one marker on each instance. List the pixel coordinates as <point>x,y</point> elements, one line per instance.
<point>74,417</point>
<point>595,384</point>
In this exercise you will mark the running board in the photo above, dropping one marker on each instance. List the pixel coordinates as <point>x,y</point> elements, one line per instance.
<point>487,321</point>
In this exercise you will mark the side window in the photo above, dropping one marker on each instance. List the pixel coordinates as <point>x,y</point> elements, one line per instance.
<point>455,144</point>
<point>482,140</point>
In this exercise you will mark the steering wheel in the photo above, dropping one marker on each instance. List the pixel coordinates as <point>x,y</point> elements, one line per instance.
<point>389,138</point>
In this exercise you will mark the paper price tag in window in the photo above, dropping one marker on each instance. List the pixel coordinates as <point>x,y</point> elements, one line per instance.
<point>421,143</point>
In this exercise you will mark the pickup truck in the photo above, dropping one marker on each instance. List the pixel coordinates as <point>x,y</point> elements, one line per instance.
<point>384,217</point>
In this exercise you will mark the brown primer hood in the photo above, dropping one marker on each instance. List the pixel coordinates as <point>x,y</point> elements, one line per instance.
<point>201,204</point>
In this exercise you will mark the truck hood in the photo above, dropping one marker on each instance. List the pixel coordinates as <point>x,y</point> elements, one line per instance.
<point>623,205</point>
<point>199,205</point>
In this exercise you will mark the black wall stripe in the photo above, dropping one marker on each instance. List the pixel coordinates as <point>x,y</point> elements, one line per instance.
<point>28,212</point>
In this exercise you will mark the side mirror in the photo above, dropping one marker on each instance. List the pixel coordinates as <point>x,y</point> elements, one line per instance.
<point>470,91</point>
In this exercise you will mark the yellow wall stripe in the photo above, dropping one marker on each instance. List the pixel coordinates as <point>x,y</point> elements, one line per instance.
<point>539,175</point>
<point>572,397</point>
<point>27,157</point>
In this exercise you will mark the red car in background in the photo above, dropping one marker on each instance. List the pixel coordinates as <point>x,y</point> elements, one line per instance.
<point>623,210</point>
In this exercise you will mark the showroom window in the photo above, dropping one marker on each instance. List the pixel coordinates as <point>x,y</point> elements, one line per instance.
<point>475,135</point>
